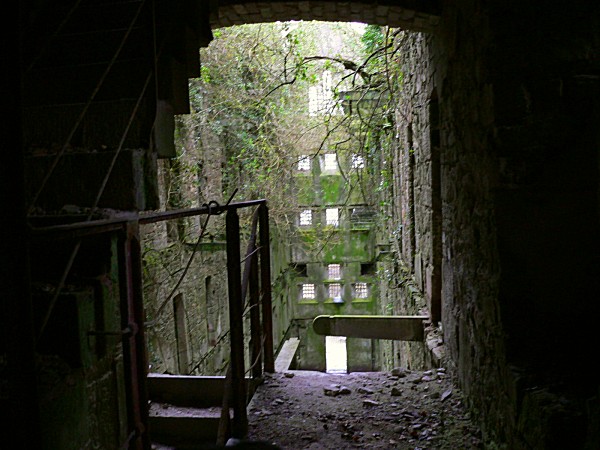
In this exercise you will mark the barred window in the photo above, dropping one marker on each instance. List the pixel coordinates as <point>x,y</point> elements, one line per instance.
<point>335,290</point>
<point>304,163</point>
<point>361,290</point>
<point>306,217</point>
<point>332,216</point>
<point>358,162</point>
<point>334,271</point>
<point>308,291</point>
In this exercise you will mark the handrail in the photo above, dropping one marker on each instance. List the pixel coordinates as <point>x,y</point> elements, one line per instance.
<point>100,226</point>
<point>256,279</point>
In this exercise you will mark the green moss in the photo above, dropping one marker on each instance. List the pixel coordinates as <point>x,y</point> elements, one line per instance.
<point>332,189</point>
<point>306,193</point>
<point>308,302</point>
<point>355,195</point>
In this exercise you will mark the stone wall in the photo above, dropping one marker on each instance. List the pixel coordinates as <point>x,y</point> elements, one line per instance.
<point>202,346</point>
<point>510,95</point>
<point>447,240</point>
<point>197,340</point>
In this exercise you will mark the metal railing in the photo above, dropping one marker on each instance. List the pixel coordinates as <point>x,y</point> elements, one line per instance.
<point>255,280</point>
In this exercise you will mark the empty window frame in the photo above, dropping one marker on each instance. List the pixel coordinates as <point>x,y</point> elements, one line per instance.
<point>308,291</point>
<point>358,162</point>
<point>332,216</point>
<point>300,270</point>
<point>334,290</point>
<point>305,217</point>
<point>334,271</point>
<point>304,163</point>
<point>361,290</point>
<point>368,269</point>
<point>330,162</point>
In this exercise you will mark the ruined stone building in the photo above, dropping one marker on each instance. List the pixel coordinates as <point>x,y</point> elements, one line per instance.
<point>493,228</point>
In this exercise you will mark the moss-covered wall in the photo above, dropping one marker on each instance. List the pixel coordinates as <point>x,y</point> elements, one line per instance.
<point>190,180</point>
<point>350,243</point>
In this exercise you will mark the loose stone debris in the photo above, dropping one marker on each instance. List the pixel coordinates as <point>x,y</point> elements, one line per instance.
<point>401,409</point>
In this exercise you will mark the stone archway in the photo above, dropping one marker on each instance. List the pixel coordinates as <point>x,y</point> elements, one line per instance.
<point>410,14</point>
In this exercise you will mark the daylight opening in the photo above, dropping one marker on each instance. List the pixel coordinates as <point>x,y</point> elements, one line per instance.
<point>335,354</point>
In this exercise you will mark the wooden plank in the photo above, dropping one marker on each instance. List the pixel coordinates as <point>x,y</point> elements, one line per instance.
<point>286,354</point>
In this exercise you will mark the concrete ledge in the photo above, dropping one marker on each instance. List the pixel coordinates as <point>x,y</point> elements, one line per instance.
<point>401,328</point>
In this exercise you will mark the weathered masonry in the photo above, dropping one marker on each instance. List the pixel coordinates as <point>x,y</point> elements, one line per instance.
<point>333,256</point>
<point>496,201</point>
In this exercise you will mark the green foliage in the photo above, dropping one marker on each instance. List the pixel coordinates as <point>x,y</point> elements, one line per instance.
<point>373,38</point>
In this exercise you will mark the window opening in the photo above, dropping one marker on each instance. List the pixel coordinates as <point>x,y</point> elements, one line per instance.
<point>411,191</point>
<point>367,269</point>
<point>330,162</point>
<point>306,217</point>
<point>334,271</point>
<point>320,97</point>
<point>304,163</point>
<point>308,291</point>
<point>335,290</point>
<point>300,270</point>
<point>358,162</point>
<point>180,335</point>
<point>332,216</point>
<point>361,290</point>
<point>435,307</point>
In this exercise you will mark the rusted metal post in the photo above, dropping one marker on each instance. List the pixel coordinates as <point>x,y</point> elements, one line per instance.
<point>255,329</point>
<point>236,327</point>
<point>139,317</point>
<point>265,282</point>
<point>130,360</point>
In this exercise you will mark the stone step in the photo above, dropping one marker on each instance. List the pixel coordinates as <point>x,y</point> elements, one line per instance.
<point>185,410</point>
<point>183,427</point>
<point>186,390</point>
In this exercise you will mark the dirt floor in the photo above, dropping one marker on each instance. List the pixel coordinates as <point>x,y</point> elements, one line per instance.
<point>396,410</point>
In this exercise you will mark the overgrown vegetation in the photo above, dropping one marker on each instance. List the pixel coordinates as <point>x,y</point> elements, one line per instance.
<point>269,95</point>
<point>253,99</point>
